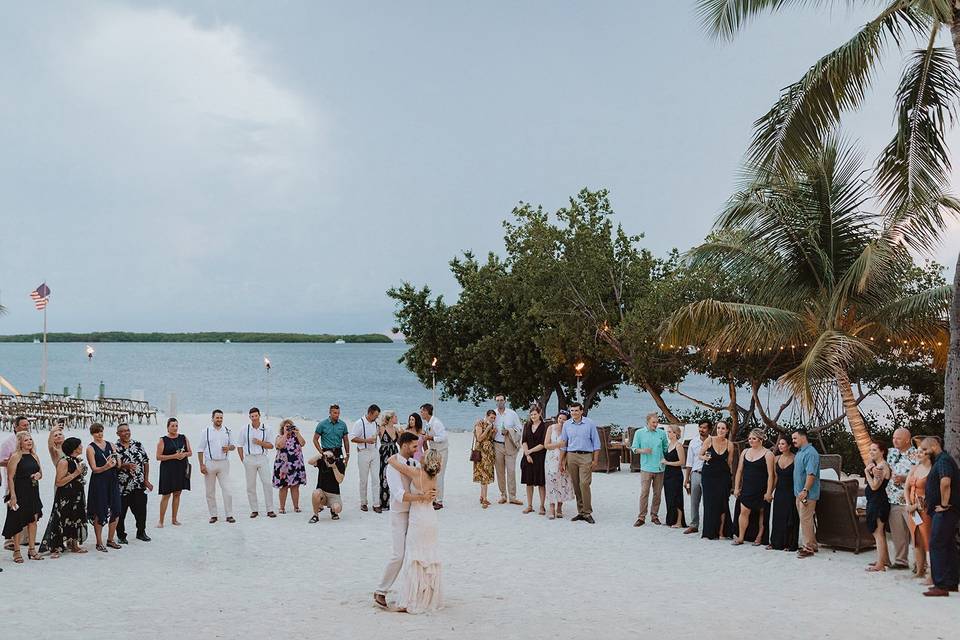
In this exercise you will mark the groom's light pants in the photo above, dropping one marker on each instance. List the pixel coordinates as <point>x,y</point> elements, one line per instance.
<point>398,527</point>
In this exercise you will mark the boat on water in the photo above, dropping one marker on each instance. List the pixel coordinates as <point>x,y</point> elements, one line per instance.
<point>340,341</point>
<point>36,341</point>
<point>227,341</point>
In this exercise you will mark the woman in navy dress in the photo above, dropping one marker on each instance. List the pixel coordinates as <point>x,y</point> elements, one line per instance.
<point>717,454</point>
<point>785,530</point>
<point>878,504</point>
<point>103,499</point>
<point>754,491</point>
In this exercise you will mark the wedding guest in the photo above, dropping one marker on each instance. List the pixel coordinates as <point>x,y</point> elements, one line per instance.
<point>415,426</point>
<point>532,472</point>
<point>216,443</point>
<point>901,459</point>
<point>67,525</point>
<point>506,443</point>
<point>55,444</point>
<point>24,508</point>
<point>878,505</point>
<point>134,477</point>
<point>753,488</point>
<point>673,461</point>
<point>580,457</point>
<point>327,494</point>
<point>103,496</point>
<point>559,487</point>
<point>785,530</point>
<point>806,488</point>
<point>694,470</point>
<point>943,504</point>
<point>7,449</point>
<point>916,487</point>
<point>333,435</point>
<point>364,436</point>
<point>650,443</point>
<point>173,454</point>
<point>483,442</point>
<point>289,471</point>
<point>717,455</point>
<point>254,447</point>
<point>436,435</point>
<point>388,433</point>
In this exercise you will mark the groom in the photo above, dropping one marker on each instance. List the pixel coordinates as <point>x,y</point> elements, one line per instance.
<point>399,514</point>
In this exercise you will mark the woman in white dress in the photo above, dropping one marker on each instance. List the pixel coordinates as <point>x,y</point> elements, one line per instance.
<point>559,487</point>
<point>420,579</point>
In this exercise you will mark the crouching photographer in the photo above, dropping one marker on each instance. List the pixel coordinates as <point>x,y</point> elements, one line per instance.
<point>331,468</point>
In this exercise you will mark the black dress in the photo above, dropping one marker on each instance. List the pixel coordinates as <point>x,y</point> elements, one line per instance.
<point>752,490</point>
<point>878,505</point>
<point>534,473</point>
<point>173,473</point>
<point>785,533</point>
<point>68,518</point>
<point>29,507</point>
<point>103,497</point>
<point>716,480</point>
<point>388,447</point>
<point>673,489</point>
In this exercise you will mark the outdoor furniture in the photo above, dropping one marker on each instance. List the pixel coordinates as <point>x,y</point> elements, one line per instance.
<point>634,460</point>
<point>609,459</point>
<point>838,523</point>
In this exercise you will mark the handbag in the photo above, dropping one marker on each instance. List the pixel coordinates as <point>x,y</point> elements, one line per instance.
<point>475,455</point>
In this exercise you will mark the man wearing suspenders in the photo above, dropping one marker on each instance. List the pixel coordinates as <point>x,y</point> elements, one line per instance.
<point>364,436</point>
<point>216,443</point>
<point>256,441</point>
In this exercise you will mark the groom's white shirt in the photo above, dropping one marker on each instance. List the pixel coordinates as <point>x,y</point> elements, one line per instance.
<point>399,484</point>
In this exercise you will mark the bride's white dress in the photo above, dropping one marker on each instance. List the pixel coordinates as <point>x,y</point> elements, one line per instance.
<point>420,579</point>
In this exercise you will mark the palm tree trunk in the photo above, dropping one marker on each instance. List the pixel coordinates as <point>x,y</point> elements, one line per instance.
<point>733,409</point>
<point>861,434</point>
<point>951,383</point>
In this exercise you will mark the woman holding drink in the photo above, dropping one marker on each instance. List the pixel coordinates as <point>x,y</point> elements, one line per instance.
<point>103,499</point>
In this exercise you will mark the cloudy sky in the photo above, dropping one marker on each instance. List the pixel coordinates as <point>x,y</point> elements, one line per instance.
<point>211,165</point>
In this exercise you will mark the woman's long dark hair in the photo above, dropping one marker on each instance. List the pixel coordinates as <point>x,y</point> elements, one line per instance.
<point>417,422</point>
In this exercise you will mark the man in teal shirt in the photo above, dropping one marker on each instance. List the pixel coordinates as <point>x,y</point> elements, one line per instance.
<point>650,443</point>
<point>332,434</point>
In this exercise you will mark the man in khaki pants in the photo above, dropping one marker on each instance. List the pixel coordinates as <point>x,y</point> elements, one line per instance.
<point>650,443</point>
<point>902,457</point>
<point>806,487</point>
<point>579,458</point>
<point>506,443</point>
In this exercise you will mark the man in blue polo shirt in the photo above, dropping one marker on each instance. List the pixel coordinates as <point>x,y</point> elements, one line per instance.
<point>333,434</point>
<point>579,457</point>
<point>806,488</point>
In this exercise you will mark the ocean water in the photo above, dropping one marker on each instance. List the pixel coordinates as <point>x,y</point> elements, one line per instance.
<point>304,380</point>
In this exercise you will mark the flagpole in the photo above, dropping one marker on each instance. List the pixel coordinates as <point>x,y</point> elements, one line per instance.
<point>43,367</point>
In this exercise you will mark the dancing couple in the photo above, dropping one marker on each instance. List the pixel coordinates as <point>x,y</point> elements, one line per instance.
<point>413,523</point>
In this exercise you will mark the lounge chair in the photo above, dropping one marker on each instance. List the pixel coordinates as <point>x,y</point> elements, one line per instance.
<point>609,457</point>
<point>838,524</point>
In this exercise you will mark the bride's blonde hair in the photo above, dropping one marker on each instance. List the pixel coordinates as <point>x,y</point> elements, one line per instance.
<point>387,417</point>
<point>431,463</point>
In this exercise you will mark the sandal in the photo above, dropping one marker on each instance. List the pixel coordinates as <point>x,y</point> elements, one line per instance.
<point>102,548</point>
<point>112,544</point>
<point>484,505</point>
<point>873,568</point>
<point>17,557</point>
<point>655,520</point>
<point>282,511</point>
<point>33,555</point>
<point>528,510</point>
<point>78,549</point>
<point>296,509</point>
<point>542,511</point>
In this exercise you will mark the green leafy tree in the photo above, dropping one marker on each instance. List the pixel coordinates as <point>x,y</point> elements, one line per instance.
<point>913,170</point>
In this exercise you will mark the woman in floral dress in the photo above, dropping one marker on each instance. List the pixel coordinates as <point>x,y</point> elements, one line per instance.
<point>559,487</point>
<point>483,432</point>
<point>388,447</point>
<point>67,527</point>
<point>289,471</point>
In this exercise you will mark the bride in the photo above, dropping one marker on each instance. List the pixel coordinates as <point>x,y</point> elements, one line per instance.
<point>420,583</point>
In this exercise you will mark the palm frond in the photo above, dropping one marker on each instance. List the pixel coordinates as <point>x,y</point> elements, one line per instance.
<point>919,317</point>
<point>724,18</point>
<point>838,82</point>
<point>913,172</point>
<point>832,351</point>
<point>717,325</point>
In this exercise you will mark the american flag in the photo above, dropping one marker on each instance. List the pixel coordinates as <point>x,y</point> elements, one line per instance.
<point>40,296</point>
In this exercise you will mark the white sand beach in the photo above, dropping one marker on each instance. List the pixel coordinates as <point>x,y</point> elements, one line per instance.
<point>507,575</point>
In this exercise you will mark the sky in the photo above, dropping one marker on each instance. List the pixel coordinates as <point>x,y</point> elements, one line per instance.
<point>202,165</point>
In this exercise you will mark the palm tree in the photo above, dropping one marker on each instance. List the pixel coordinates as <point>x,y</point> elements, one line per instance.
<point>913,170</point>
<point>817,273</point>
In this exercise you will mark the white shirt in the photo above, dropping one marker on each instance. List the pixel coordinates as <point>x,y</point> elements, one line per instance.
<point>212,441</point>
<point>251,433</point>
<point>506,420</point>
<point>436,429</point>
<point>693,454</point>
<point>362,428</point>
<point>399,484</point>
